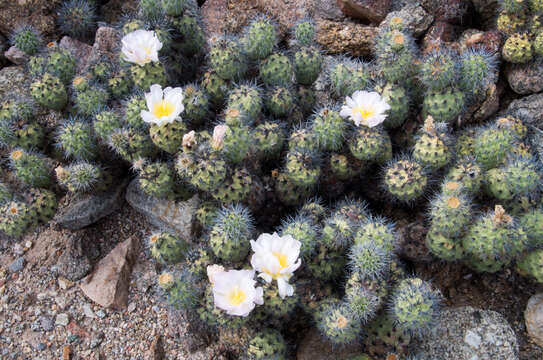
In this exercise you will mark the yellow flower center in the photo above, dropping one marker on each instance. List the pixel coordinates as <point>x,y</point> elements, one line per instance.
<point>163,108</point>
<point>236,296</point>
<point>365,112</point>
<point>283,260</point>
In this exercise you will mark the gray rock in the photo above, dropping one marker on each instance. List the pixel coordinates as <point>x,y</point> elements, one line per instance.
<point>79,50</point>
<point>13,82</point>
<point>466,333</point>
<point>315,347</point>
<point>416,19</point>
<point>89,208</point>
<point>368,10</point>
<point>327,9</point>
<point>16,56</point>
<point>529,109</point>
<point>46,323</point>
<point>17,265</point>
<point>62,319</point>
<point>176,216</point>
<point>74,263</point>
<point>533,317</point>
<point>525,78</point>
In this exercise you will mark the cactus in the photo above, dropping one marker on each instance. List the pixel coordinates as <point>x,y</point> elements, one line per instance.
<point>531,222</point>
<point>444,106</point>
<point>478,69</point>
<point>130,144</point>
<point>405,180</point>
<point>225,59</point>
<point>151,9</point>
<point>444,246</point>
<point>148,74</point>
<point>27,39</point>
<point>76,140</point>
<point>432,147</point>
<point>168,137</point>
<point>415,305</point>
<point>268,139</point>
<point>450,214</point>
<point>267,344</point>
<point>492,146</point>
<point>280,101</point>
<point>345,168</point>
<point>532,264</point>
<point>216,87</point>
<point>397,98</point>
<point>306,99</point>
<point>236,187</point>
<point>61,63</point>
<point>30,168</point>
<point>510,23</point>
<point>519,177</point>
<point>82,177</point>
<point>196,103</point>
<point>329,129</point>
<point>517,49</point>
<point>105,123</point>
<point>207,174</point>
<point>468,173</point>
<point>6,194</point>
<point>493,241</point>
<point>440,70</point>
<point>175,7</point>
<point>370,260</point>
<point>304,32</point>
<point>362,301</point>
<point>276,307</point>
<point>193,36</point>
<point>538,44</point>
<point>302,168</point>
<point>348,76</point>
<point>77,18</point>
<point>386,336</point>
<point>377,231</point>
<point>15,131</point>
<point>229,237</point>
<point>156,179</point>
<point>167,248</point>
<point>302,138</point>
<point>260,39</point>
<point>247,100</point>
<point>336,322</point>
<point>91,101</point>
<point>303,230</point>
<point>236,144</point>
<point>290,193</point>
<point>338,231</point>
<point>307,65</point>
<point>120,84</point>
<point>49,92</point>
<point>513,124</point>
<point>183,291</point>
<point>276,70</point>
<point>370,144</point>
<point>42,205</point>
<point>15,219</point>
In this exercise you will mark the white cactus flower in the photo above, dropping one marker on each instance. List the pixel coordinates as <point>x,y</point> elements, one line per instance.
<point>365,108</point>
<point>189,139</point>
<point>234,291</point>
<point>212,270</point>
<point>141,47</point>
<point>218,136</point>
<point>164,106</point>
<point>276,258</point>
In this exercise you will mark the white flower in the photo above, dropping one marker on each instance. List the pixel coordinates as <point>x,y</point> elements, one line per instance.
<point>234,291</point>
<point>164,106</point>
<point>212,270</point>
<point>276,258</point>
<point>218,136</point>
<point>366,108</point>
<point>189,139</point>
<point>141,47</point>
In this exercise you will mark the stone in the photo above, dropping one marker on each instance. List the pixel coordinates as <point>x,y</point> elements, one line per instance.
<point>476,39</point>
<point>529,109</point>
<point>13,82</point>
<point>17,265</point>
<point>79,50</point>
<point>327,9</point>
<point>487,10</point>
<point>411,240</point>
<point>346,37</point>
<point>452,11</point>
<point>415,18</point>
<point>286,12</point>
<point>87,310</point>
<point>440,35</point>
<point>227,16</point>
<point>89,208</point>
<point>38,13</point>
<point>108,284</point>
<point>533,317</point>
<point>466,333</point>
<point>176,216</point>
<point>315,347</point>
<point>368,10</point>
<point>62,319</point>
<point>525,78</point>
<point>483,106</point>
<point>107,39</point>
<point>46,323</point>
<point>74,263</point>
<point>16,56</point>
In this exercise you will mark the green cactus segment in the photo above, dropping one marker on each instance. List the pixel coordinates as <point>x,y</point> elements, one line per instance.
<point>280,102</point>
<point>131,145</point>
<point>468,173</point>
<point>216,88</point>
<point>225,60</point>
<point>247,100</point>
<point>362,299</point>
<point>158,180</point>
<point>415,305</point>
<point>5,194</point>
<point>268,344</point>
<point>77,141</point>
<point>439,70</point>
<point>229,237</point>
<point>61,63</point>
<point>370,260</point>
<point>91,101</point>
<point>302,168</point>
<point>491,147</point>
<point>431,147</point>
<point>236,144</point>
<point>371,145</point>
<point>15,219</point>
<point>105,123</point>
<point>405,180</point>
<point>306,99</point>
<point>509,23</point>
<point>49,92</point>
<point>304,231</point>
<point>398,99</point>
<point>235,188</point>
<point>538,44</point>
<point>289,193</point>
<point>305,32</point>
<point>532,264</point>
<point>26,39</point>
<point>444,106</point>
<point>386,336</point>
<point>444,246</point>
<point>181,289</point>
<point>82,177</point>
<point>77,18</point>
<point>532,223</point>
<point>260,39</point>
<point>276,70</point>
<point>329,129</point>
<point>120,84</point>
<point>347,77</point>
<point>307,65</point>
<point>206,174</point>
<point>377,231</point>
<point>42,205</point>
<point>167,248</point>
<point>336,322</point>
<point>276,307</point>
<point>268,139</point>
<point>168,137</point>
<point>493,241</point>
<point>196,104</point>
<point>30,168</point>
<point>517,49</point>
<point>302,139</point>
<point>345,168</point>
<point>148,74</point>
<point>450,214</point>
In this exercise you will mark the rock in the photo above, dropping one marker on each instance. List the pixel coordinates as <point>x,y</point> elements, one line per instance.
<point>440,34</point>
<point>487,10</point>
<point>74,263</point>
<point>315,347</point>
<point>16,56</point>
<point>483,107</point>
<point>529,109</point>
<point>327,9</point>
<point>87,310</point>
<point>466,333</point>
<point>533,317</point>
<point>286,12</point>
<point>340,37</point>
<point>369,10</point>
<point>89,208</point>
<point>13,82</point>
<point>156,352</point>
<point>46,323</point>
<point>17,265</point>
<point>452,11</point>
<point>176,216</point>
<point>411,240</point>
<point>416,19</point>
<point>227,16</point>
<point>476,39</point>
<point>38,13</point>
<point>107,39</point>
<point>114,10</point>
<point>108,284</point>
<point>525,78</point>
<point>79,50</point>
<point>62,319</point>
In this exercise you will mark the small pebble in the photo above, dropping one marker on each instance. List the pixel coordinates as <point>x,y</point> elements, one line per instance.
<point>62,319</point>
<point>17,265</point>
<point>101,314</point>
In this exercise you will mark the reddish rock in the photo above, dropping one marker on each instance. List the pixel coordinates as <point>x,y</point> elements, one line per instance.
<point>340,37</point>
<point>315,347</point>
<point>79,50</point>
<point>108,284</point>
<point>440,34</point>
<point>369,10</point>
<point>38,13</point>
<point>286,12</point>
<point>107,39</point>
<point>220,16</point>
<point>477,39</point>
